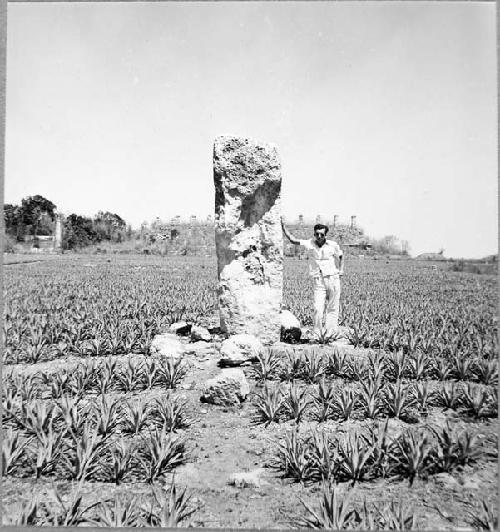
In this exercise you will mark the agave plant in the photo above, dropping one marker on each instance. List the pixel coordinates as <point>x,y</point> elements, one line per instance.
<point>26,513</point>
<point>313,367</point>
<point>171,371</point>
<point>83,462</point>
<point>355,456</point>
<point>13,448</point>
<point>69,512</point>
<point>323,401</point>
<point>357,369</point>
<point>370,397</point>
<point>269,404</point>
<point>396,516</point>
<point>48,449</point>
<point>468,447</point>
<point>150,374</point>
<point>117,512</point>
<point>337,363</point>
<point>296,402</point>
<point>461,368</point>
<point>484,518</point>
<point>422,395</point>
<point>418,365</point>
<point>486,371</point>
<point>106,413</point>
<point>449,396</point>
<point>324,457</point>
<point>442,369</point>
<point>37,418</point>
<point>135,416</point>
<point>476,401</point>
<point>293,457</point>
<point>119,461</point>
<point>397,400</point>
<point>168,508</point>
<point>383,448</point>
<point>412,454</point>
<point>335,511</point>
<point>293,369</point>
<point>161,453</point>
<point>170,413</point>
<point>73,418</point>
<point>396,365</point>
<point>129,377</point>
<point>267,365</point>
<point>344,404</point>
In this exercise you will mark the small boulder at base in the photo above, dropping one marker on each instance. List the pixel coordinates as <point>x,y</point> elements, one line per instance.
<point>247,479</point>
<point>180,327</point>
<point>200,348</point>
<point>230,387</point>
<point>290,327</point>
<point>200,333</point>
<point>167,345</point>
<point>239,349</point>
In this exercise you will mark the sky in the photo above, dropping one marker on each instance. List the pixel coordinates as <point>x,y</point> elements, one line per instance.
<point>383,110</point>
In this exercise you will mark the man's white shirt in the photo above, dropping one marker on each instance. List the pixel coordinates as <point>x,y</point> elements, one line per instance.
<point>322,259</point>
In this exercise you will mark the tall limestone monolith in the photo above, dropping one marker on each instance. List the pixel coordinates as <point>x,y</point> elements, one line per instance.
<point>58,233</point>
<point>248,237</point>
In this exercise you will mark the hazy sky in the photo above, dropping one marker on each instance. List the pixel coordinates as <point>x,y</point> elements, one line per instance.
<point>386,110</point>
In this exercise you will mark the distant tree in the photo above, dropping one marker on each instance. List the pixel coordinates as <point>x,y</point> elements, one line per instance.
<point>110,226</point>
<point>33,211</point>
<point>13,221</point>
<point>79,232</point>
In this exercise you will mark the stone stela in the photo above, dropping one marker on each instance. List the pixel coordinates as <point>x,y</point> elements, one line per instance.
<point>248,237</point>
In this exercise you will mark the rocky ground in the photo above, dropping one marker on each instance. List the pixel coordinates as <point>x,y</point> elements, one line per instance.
<point>228,473</point>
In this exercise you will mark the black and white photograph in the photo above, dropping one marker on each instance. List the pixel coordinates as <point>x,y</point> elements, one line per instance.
<point>250,259</point>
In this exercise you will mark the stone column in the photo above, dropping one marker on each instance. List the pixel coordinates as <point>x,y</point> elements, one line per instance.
<point>248,237</point>
<point>58,233</point>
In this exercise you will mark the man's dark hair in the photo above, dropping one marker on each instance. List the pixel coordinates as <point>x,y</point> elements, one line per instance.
<point>321,226</point>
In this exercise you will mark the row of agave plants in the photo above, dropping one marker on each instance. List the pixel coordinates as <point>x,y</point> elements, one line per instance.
<point>356,456</point>
<point>162,507</point>
<point>312,366</point>
<point>408,307</point>
<point>337,510</point>
<point>110,309</point>
<point>104,439</point>
<point>113,309</point>
<point>95,378</point>
<point>340,401</point>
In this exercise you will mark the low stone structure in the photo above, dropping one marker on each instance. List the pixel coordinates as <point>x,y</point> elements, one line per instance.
<point>248,237</point>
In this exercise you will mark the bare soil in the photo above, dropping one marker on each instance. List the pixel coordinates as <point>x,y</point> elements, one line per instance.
<point>227,440</point>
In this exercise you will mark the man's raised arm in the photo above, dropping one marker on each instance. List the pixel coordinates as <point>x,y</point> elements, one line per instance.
<point>290,237</point>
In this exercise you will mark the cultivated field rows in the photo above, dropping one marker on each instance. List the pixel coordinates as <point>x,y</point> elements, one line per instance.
<point>395,429</point>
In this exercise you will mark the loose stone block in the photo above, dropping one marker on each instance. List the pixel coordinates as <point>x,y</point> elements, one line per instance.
<point>248,237</point>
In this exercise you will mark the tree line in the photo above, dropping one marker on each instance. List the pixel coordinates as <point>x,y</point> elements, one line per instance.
<point>36,216</point>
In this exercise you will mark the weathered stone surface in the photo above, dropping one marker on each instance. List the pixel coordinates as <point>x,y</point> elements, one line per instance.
<point>200,333</point>
<point>247,479</point>
<point>248,237</point>
<point>167,345</point>
<point>58,233</point>
<point>200,348</point>
<point>290,327</point>
<point>230,387</point>
<point>239,349</point>
<point>181,327</point>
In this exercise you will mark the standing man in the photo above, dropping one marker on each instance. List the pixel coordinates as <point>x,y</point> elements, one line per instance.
<point>322,255</point>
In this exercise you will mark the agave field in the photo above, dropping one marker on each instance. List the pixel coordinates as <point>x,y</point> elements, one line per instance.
<point>394,429</point>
